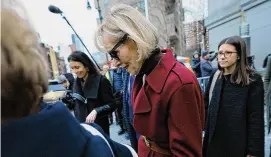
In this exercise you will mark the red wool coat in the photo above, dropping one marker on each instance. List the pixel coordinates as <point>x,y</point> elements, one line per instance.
<point>169,110</point>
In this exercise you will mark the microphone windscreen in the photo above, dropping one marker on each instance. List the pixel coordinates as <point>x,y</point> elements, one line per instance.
<point>54,9</point>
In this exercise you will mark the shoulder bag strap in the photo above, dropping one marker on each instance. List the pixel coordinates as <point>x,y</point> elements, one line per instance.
<point>213,85</point>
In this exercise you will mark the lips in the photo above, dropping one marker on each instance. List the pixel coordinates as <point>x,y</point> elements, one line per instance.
<point>222,62</point>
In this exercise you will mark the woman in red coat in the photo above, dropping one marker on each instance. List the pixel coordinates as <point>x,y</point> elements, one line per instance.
<point>167,100</point>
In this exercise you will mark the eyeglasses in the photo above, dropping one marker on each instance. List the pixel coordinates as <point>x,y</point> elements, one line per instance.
<point>225,53</point>
<point>113,52</point>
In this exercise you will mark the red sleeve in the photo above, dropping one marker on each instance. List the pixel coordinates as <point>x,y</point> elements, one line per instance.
<point>185,122</point>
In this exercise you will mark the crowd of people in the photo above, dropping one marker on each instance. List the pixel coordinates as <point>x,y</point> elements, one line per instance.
<point>155,99</point>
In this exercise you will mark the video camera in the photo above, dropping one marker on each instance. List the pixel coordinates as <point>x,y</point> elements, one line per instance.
<point>69,100</point>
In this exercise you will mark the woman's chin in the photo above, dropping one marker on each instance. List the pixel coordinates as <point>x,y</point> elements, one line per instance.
<point>79,76</point>
<point>223,65</point>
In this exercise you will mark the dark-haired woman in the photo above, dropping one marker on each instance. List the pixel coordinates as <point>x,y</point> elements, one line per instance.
<point>97,96</point>
<point>235,119</point>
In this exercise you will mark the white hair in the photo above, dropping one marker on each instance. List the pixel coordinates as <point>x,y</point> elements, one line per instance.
<point>124,19</point>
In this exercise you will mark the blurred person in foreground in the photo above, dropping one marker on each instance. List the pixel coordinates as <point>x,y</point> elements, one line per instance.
<point>26,130</point>
<point>166,97</point>
<point>235,105</point>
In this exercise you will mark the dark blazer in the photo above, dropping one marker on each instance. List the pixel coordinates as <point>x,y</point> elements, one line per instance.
<point>243,123</point>
<point>54,132</point>
<point>169,109</point>
<point>99,94</point>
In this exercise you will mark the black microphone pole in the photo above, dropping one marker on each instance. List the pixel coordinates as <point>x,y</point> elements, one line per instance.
<point>58,11</point>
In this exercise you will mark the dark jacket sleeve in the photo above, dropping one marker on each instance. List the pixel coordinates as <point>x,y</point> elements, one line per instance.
<point>255,116</point>
<point>207,67</point>
<point>106,97</point>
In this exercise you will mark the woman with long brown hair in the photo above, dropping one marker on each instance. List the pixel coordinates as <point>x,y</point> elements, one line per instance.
<point>234,102</point>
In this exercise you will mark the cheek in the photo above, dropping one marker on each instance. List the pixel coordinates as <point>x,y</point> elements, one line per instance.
<point>80,71</point>
<point>124,54</point>
<point>233,59</point>
<point>83,71</point>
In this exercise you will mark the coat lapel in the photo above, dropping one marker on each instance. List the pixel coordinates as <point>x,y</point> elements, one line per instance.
<point>77,88</point>
<point>91,88</point>
<point>141,103</point>
<point>162,69</point>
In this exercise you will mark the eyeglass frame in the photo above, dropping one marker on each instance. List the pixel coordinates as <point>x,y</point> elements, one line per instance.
<point>113,52</point>
<point>224,53</point>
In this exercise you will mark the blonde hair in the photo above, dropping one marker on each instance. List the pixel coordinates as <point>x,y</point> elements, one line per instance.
<point>124,19</point>
<point>23,70</point>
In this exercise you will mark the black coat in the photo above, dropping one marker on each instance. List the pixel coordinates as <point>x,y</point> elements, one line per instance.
<point>235,128</point>
<point>99,94</point>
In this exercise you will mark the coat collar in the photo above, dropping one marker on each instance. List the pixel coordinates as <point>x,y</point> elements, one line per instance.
<point>91,88</point>
<point>157,78</point>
